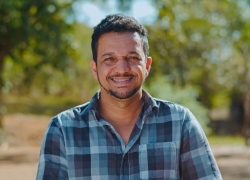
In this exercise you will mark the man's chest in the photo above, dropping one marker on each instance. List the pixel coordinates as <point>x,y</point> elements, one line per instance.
<point>98,152</point>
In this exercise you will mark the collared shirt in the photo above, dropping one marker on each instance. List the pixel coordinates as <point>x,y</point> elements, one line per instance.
<point>167,142</point>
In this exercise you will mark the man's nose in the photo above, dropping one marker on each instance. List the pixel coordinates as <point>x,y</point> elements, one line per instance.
<point>122,66</point>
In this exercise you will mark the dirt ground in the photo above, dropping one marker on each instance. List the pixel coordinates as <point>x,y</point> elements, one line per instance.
<point>23,133</point>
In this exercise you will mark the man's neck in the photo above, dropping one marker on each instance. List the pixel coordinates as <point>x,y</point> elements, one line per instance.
<point>122,114</point>
<point>119,109</point>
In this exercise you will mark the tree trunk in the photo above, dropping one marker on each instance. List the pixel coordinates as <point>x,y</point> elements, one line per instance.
<point>246,98</point>
<point>246,127</point>
<point>2,55</point>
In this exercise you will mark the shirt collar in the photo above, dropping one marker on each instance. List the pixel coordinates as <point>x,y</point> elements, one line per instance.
<point>93,105</point>
<point>149,104</point>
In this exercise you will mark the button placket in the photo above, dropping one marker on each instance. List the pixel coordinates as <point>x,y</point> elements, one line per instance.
<point>111,130</point>
<point>125,156</point>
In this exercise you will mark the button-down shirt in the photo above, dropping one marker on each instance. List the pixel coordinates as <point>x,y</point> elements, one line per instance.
<point>167,142</point>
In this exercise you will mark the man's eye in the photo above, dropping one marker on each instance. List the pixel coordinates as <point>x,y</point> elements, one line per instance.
<point>108,59</point>
<point>133,58</point>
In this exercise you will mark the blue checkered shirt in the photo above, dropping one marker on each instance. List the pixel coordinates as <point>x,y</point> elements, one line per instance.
<point>167,142</point>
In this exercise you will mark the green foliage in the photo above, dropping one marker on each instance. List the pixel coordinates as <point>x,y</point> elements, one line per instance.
<point>34,26</point>
<point>2,136</point>
<point>187,97</point>
<point>226,140</point>
<point>204,44</point>
<point>200,50</point>
<point>32,35</point>
<point>74,80</point>
<point>42,105</point>
<point>45,55</point>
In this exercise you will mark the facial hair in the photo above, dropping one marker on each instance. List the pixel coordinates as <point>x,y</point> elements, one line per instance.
<point>117,94</point>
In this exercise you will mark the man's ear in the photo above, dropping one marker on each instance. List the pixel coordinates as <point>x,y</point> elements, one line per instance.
<point>148,65</point>
<point>93,68</point>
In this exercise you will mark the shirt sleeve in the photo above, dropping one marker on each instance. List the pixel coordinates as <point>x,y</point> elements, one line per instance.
<point>197,161</point>
<point>52,162</point>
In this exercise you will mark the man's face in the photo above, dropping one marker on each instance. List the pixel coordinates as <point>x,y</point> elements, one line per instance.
<point>121,66</point>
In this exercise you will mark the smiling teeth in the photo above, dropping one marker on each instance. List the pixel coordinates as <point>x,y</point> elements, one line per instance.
<point>118,80</point>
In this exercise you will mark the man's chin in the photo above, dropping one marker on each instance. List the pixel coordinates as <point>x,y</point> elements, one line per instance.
<point>119,94</point>
<point>123,95</point>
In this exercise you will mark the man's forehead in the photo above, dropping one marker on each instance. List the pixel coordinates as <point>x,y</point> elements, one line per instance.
<point>120,35</point>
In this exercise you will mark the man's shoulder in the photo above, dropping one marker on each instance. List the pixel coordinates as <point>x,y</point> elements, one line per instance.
<point>73,114</point>
<point>176,111</point>
<point>167,105</point>
<point>77,109</point>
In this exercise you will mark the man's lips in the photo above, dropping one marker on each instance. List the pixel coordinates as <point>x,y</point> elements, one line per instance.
<point>122,79</point>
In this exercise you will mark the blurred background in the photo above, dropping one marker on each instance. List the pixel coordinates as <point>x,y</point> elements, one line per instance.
<point>201,59</point>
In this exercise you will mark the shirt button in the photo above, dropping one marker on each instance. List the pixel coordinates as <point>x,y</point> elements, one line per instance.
<point>125,157</point>
<point>112,132</point>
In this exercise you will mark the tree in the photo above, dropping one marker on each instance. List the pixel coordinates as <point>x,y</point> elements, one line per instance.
<point>205,45</point>
<point>178,41</point>
<point>33,30</point>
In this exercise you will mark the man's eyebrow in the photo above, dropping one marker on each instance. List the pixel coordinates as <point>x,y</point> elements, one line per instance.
<point>133,52</point>
<point>108,54</point>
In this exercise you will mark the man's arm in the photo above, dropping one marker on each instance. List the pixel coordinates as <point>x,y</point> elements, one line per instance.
<point>52,162</point>
<point>197,160</point>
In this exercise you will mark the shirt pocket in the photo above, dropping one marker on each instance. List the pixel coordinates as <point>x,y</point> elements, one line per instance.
<point>157,161</point>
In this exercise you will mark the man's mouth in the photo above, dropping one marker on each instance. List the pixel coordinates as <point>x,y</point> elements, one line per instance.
<point>121,80</point>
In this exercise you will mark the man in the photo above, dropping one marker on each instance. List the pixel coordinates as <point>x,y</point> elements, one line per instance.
<point>124,133</point>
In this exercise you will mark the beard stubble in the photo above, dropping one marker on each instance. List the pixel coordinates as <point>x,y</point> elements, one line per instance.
<point>117,94</point>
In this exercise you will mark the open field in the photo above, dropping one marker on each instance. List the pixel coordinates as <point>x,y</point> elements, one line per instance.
<point>24,133</point>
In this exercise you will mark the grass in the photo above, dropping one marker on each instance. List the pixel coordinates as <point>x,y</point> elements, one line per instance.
<point>41,105</point>
<point>42,100</point>
<point>226,140</point>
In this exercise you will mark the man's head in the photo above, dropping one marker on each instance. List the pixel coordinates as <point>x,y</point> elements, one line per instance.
<point>118,23</point>
<point>120,52</point>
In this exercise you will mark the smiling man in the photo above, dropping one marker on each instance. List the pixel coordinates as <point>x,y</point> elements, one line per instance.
<point>123,133</point>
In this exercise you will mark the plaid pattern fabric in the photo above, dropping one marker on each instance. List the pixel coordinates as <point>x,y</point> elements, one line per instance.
<point>167,142</point>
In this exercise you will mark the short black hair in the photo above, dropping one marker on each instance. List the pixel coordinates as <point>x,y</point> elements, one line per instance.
<point>118,23</point>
